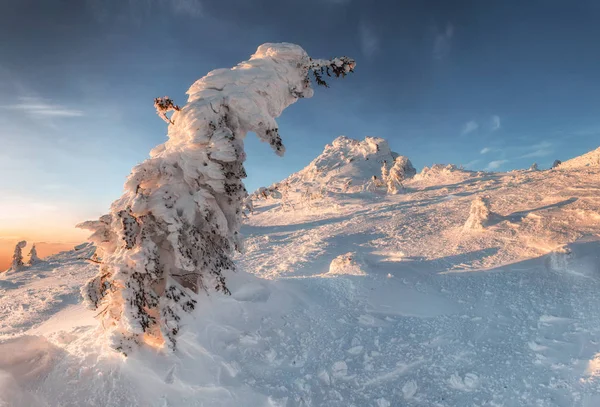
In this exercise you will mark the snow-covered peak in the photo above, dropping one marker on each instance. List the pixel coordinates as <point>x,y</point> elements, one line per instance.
<point>346,162</point>
<point>588,159</point>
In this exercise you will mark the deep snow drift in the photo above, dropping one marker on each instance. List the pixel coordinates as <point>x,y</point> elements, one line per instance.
<point>351,299</point>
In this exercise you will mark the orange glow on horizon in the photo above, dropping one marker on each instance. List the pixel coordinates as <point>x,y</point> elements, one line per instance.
<point>47,242</point>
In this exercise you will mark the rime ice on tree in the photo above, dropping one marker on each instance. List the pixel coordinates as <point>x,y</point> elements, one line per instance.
<point>175,228</point>
<point>33,256</point>
<point>479,214</point>
<point>400,171</point>
<point>17,260</point>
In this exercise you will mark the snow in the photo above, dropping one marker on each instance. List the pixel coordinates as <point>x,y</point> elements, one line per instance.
<point>588,159</point>
<point>418,311</point>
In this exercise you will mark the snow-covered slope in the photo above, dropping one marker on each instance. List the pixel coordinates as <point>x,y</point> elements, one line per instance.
<point>352,299</point>
<point>589,159</point>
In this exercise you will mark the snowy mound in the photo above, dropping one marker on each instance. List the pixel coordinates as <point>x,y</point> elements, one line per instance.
<point>443,173</point>
<point>586,160</point>
<point>347,264</point>
<point>346,164</point>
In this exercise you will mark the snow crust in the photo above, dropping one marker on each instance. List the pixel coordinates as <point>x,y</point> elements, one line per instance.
<point>591,159</point>
<point>438,316</point>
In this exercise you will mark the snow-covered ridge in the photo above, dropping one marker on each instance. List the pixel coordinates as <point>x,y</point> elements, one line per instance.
<point>591,158</point>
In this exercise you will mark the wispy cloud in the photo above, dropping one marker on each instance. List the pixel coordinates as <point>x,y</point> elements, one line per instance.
<point>542,149</point>
<point>41,108</point>
<point>494,165</point>
<point>138,10</point>
<point>495,125</point>
<point>471,164</point>
<point>443,42</point>
<point>469,127</point>
<point>485,150</point>
<point>191,8</point>
<point>369,42</point>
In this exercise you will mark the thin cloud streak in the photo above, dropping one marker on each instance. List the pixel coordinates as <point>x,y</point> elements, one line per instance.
<point>40,108</point>
<point>494,165</point>
<point>469,127</point>
<point>187,7</point>
<point>496,124</point>
<point>369,43</point>
<point>471,164</point>
<point>443,42</point>
<point>542,149</point>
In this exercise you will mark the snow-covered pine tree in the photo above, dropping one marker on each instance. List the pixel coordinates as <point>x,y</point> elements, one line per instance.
<point>385,173</point>
<point>174,230</point>
<point>17,260</point>
<point>534,167</point>
<point>33,256</point>
<point>401,170</point>
<point>479,214</point>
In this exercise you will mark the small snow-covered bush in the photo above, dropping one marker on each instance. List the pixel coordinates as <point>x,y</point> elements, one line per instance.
<point>479,214</point>
<point>17,260</point>
<point>347,264</point>
<point>176,227</point>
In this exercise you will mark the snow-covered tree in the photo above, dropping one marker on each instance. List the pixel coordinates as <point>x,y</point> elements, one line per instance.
<point>286,203</point>
<point>534,167</point>
<point>400,171</point>
<point>479,214</point>
<point>17,260</point>
<point>248,206</point>
<point>384,171</point>
<point>174,230</point>
<point>33,256</point>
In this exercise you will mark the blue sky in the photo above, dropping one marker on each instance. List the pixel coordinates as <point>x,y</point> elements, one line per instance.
<point>491,85</point>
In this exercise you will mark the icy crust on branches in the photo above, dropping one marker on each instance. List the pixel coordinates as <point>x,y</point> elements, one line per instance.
<point>175,228</point>
<point>257,90</point>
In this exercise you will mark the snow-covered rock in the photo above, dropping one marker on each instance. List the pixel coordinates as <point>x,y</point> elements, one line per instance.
<point>348,164</point>
<point>347,264</point>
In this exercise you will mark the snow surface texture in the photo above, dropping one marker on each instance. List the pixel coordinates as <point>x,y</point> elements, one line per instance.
<point>443,316</point>
<point>174,230</point>
<point>589,159</point>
